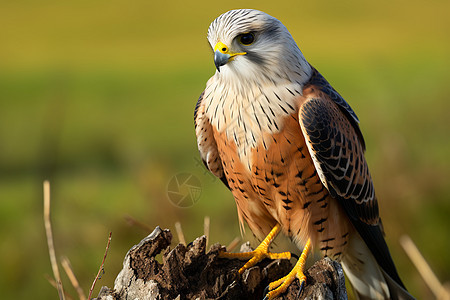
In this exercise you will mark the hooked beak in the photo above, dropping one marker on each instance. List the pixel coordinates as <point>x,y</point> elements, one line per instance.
<point>222,55</point>
<point>220,59</point>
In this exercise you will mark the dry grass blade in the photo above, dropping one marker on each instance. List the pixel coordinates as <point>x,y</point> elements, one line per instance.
<point>133,222</point>
<point>206,225</point>
<point>53,283</point>
<point>424,269</point>
<point>234,243</point>
<point>73,279</point>
<point>100,270</point>
<point>49,234</point>
<point>180,234</point>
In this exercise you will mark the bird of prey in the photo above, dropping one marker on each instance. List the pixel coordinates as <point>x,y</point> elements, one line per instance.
<point>291,151</point>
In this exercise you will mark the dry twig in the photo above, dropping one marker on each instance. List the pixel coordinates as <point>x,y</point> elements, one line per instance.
<point>73,279</point>
<point>49,234</point>
<point>100,270</point>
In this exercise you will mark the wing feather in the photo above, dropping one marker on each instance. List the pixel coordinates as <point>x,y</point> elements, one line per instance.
<point>339,157</point>
<point>206,143</point>
<point>336,146</point>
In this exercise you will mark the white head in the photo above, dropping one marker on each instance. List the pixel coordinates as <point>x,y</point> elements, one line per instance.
<point>250,45</point>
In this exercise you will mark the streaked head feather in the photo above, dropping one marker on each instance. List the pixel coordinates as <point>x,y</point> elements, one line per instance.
<point>274,56</point>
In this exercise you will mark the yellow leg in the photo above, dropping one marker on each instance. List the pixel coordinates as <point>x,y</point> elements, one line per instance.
<point>261,252</point>
<point>280,286</point>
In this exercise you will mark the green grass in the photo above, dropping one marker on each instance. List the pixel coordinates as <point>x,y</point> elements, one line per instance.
<point>98,97</point>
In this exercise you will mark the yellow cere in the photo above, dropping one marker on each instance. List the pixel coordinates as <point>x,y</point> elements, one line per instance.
<point>225,50</point>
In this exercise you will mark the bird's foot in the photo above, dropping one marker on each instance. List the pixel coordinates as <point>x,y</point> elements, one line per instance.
<point>261,252</point>
<point>280,286</point>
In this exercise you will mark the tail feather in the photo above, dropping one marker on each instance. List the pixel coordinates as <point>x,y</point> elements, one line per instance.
<point>369,281</point>
<point>396,290</point>
<point>363,271</point>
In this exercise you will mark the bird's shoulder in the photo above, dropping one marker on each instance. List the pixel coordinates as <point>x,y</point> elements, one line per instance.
<point>317,87</point>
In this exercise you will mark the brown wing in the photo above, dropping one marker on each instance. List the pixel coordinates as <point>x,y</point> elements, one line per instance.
<point>338,156</point>
<point>336,146</point>
<point>206,143</point>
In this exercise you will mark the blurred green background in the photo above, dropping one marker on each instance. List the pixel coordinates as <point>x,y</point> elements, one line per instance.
<point>98,97</point>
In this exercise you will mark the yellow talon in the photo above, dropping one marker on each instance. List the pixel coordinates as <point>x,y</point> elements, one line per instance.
<point>261,252</point>
<point>280,286</point>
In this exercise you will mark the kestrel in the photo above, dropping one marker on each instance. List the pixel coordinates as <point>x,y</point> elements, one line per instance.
<point>290,149</point>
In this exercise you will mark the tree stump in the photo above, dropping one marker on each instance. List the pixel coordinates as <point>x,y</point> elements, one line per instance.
<point>189,272</point>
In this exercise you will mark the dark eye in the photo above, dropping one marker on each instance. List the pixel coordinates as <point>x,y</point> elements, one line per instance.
<point>247,38</point>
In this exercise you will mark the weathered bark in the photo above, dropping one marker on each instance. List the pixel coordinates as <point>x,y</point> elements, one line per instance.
<point>188,272</point>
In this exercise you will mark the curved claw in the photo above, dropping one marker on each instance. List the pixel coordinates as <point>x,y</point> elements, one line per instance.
<point>266,291</point>
<point>302,285</point>
<point>280,286</point>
